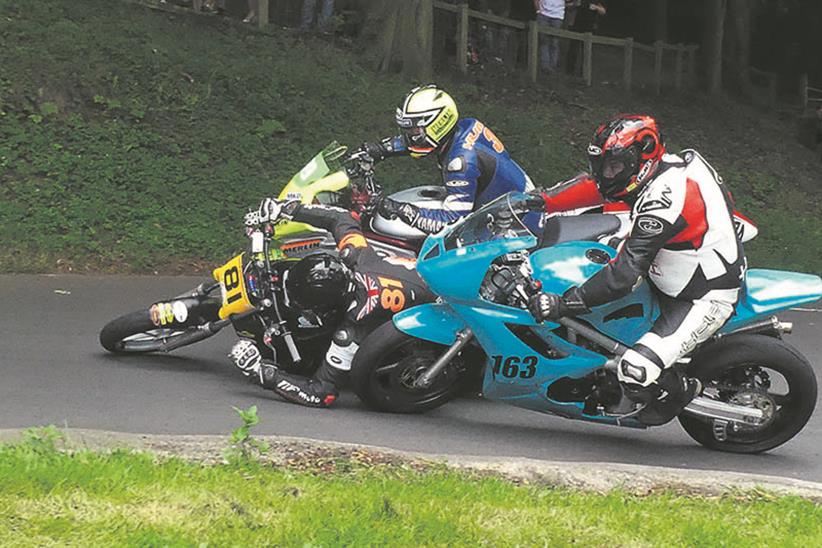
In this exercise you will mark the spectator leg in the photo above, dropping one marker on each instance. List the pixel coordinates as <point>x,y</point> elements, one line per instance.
<point>309,9</point>
<point>544,49</point>
<point>503,45</point>
<point>252,12</point>
<point>326,12</point>
<point>574,67</point>
<point>554,45</point>
<point>549,45</point>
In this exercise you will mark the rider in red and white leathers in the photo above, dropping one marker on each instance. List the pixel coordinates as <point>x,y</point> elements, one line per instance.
<point>682,241</point>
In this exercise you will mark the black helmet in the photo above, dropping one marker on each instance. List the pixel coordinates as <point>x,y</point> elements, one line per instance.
<point>318,282</point>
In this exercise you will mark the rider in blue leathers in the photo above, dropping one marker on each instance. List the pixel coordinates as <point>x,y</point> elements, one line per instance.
<point>476,168</point>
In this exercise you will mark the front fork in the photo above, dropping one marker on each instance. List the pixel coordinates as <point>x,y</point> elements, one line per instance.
<point>463,338</point>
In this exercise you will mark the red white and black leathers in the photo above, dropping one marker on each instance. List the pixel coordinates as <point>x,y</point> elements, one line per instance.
<point>683,242</point>
<point>379,287</point>
<point>682,237</point>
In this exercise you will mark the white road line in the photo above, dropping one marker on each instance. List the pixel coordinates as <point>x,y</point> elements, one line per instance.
<point>807,309</point>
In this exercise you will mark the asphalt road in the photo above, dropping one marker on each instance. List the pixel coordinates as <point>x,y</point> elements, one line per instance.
<point>55,372</point>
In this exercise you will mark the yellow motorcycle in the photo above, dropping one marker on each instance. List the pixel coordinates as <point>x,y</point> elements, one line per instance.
<point>248,291</point>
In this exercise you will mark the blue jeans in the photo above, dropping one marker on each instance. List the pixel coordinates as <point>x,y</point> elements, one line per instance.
<point>310,8</point>
<point>549,45</point>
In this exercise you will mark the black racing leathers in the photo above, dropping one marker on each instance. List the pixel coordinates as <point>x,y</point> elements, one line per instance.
<point>381,286</point>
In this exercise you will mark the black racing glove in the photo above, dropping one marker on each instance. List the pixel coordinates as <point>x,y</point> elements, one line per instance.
<point>392,209</point>
<point>390,146</point>
<point>375,150</point>
<point>545,306</point>
<point>388,208</point>
<point>550,306</point>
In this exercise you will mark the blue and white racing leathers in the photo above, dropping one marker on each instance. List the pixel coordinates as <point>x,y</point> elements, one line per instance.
<point>476,169</point>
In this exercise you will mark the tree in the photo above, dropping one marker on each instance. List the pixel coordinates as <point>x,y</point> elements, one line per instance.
<point>660,26</point>
<point>714,31</point>
<point>739,42</point>
<point>405,35</point>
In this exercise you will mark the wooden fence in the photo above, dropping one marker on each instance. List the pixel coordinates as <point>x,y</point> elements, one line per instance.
<point>684,55</point>
<point>771,81</point>
<point>807,93</point>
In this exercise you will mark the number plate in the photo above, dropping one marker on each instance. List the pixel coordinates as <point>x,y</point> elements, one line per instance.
<point>235,297</point>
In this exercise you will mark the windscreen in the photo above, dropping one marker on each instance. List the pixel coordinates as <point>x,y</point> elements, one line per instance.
<point>327,161</point>
<point>499,219</point>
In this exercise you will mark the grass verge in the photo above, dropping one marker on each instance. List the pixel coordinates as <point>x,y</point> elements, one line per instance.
<point>133,140</point>
<point>90,498</point>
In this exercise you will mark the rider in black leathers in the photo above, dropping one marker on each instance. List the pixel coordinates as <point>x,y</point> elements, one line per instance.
<point>368,287</point>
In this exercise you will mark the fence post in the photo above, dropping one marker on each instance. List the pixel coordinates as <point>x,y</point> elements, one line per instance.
<point>773,89</point>
<point>533,50</point>
<point>587,59</point>
<point>628,63</point>
<point>680,58</point>
<point>692,64</point>
<point>803,90</point>
<point>462,38</point>
<point>262,13</point>
<point>658,67</point>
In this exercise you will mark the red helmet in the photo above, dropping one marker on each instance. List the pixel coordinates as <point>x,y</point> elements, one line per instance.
<point>624,153</point>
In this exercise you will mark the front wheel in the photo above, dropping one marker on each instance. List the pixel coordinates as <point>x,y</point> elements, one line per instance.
<point>387,365</point>
<point>754,371</point>
<point>135,333</point>
<point>162,327</point>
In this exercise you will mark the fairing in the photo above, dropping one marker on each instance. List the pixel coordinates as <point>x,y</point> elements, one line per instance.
<point>506,333</point>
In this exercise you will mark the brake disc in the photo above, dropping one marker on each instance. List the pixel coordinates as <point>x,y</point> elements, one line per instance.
<point>757,400</point>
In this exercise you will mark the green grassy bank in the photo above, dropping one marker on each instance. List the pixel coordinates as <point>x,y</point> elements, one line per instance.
<point>83,498</point>
<point>133,140</point>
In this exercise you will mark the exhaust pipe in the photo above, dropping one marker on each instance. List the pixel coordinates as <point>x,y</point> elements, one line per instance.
<point>772,326</point>
<point>707,408</point>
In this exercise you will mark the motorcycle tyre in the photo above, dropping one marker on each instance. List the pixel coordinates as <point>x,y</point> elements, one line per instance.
<point>113,333</point>
<point>139,321</point>
<point>380,344</point>
<point>762,350</point>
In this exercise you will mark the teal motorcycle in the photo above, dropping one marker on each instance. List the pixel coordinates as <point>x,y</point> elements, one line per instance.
<point>759,392</point>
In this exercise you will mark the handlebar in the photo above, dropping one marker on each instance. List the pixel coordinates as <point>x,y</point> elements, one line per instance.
<point>360,165</point>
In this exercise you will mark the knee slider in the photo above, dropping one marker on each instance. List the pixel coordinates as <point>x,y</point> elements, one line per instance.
<point>341,352</point>
<point>343,337</point>
<point>634,368</point>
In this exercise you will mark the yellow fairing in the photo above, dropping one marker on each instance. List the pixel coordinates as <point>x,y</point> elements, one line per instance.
<point>235,298</point>
<point>305,193</point>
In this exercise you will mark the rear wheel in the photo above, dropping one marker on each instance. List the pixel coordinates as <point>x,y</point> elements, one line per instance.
<point>755,371</point>
<point>387,365</point>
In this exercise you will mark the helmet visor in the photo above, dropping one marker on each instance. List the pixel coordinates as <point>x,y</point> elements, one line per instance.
<point>612,167</point>
<point>614,171</point>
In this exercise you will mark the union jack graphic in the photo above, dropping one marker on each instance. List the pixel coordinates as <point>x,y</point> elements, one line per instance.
<point>372,294</point>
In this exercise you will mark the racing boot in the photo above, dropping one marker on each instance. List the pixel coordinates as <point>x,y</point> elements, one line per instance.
<point>319,391</point>
<point>664,399</point>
